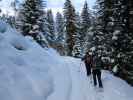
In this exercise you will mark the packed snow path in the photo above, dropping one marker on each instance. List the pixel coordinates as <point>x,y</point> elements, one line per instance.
<point>82,88</point>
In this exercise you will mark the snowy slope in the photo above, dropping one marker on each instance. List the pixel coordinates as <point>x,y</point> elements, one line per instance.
<point>23,73</point>
<point>29,72</point>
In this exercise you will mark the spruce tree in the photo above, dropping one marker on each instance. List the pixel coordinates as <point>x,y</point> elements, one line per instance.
<point>30,19</point>
<point>98,35</point>
<point>85,19</point>
<point>130,5</point>
<point>51,27</point>
<point>60,34</point>
<point>45,26</point>
<point>85,25</point>
<point>70,27</point>
<point>130,21</point>
<point>122,45</point>
<point>77,47</point>
<point>113,29</point>
<point>60,28</point>
<point>103,29</point>
<point>107,22</point>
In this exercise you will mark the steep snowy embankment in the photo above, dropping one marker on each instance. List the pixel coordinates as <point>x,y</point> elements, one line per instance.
<point>24,73</point>
<point>26,69</point>
<point>29,72</point>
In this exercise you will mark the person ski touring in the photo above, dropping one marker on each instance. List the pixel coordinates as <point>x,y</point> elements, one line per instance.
<point>96,70</point>
<point>88,62</point>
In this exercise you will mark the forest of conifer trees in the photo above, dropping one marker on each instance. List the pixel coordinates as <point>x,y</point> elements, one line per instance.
<point>106,30</point>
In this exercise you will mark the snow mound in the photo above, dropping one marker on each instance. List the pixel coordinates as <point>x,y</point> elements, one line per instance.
<point>24,67</point>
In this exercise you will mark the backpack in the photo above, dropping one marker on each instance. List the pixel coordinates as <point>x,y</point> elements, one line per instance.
<point>97,63</point>
<point>88,59</point>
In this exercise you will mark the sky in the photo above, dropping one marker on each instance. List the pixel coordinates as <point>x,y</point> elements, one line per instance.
<point>55,5</point>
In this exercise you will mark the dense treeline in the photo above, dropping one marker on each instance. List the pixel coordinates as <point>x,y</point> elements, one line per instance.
<point>107,30</point>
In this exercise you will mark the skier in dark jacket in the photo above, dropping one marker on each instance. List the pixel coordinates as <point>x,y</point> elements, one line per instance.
<point>88,62</point>
<point>96,70</point>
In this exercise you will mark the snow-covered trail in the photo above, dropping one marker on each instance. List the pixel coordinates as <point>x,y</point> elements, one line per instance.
<point>82,88</point>
<point>77,73</point>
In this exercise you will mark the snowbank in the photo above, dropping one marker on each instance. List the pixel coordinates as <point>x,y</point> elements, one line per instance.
<point>24,68</point>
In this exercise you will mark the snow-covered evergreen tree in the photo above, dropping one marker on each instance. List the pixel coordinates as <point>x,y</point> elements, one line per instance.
<point>112,38</point>
<point>103,28</point>
<point>8,19</point>
<point>98,35</point>
<point>70,27</point>
<point>77,48</point>
<point>45,26</point>
<point>15,4</point>
<point>130,21</point>
<point>60,28</point>
<point>122,39</point>
<point>30,19</point>
<point>107,23</point>
<point>130,3</point>
<point>11,21</point>
<point>86,24</point>
<point>60,34</point>
<point>51,27</point>
<point>85,18</point>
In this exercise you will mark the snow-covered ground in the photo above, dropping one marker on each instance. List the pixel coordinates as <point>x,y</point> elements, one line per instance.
<point>29,72</point>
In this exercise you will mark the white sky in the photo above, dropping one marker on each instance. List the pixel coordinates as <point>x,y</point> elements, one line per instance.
<point>55,5</point>
<point>5,6</point>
